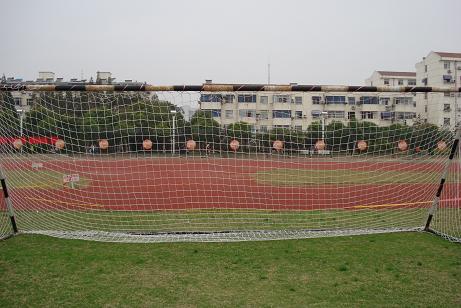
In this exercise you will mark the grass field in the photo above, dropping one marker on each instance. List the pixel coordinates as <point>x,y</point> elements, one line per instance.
<point>392,270</point>
<point>43,179</point>
<point>302,177</point>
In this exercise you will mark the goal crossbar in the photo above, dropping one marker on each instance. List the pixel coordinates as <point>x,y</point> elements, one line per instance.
<point>224,88</point>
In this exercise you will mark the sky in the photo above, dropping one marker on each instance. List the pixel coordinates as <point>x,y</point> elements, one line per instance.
<point>186,42</point>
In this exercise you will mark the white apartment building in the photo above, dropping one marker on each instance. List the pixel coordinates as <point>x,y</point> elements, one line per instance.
<point>440,69</point>
<point>389,78</point>
<point>297,110</point>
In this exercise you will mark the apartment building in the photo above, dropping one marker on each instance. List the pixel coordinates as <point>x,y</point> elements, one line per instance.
<point>297,110</point>
<point>440,69</point>
<point>23,100</point>
<point>389,78</point>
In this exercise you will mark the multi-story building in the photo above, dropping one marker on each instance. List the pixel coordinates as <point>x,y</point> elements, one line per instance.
<point>297,110</point>
<point>440,69</point>
<point>388,78</point>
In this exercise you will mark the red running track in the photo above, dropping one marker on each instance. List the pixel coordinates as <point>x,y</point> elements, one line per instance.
<point>147,184</point>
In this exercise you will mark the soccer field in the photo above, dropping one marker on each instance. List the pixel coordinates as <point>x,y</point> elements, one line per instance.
<point>391,270</point>
<point>149,195</point>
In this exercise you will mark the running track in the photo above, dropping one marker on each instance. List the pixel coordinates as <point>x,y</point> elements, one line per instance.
<point>152,184</point>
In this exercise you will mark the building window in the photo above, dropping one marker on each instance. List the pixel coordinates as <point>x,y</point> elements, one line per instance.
<point>281,114</point>
<point>400,82</point>
<point>446,65</point>
<point>247,98</point>
<point>425,108</point>
<point>336,114</point>
<point>298,127</point>
<point>351,115</point>
<point>263,128</point>
<point>17,101</point>
<point>281,126</point>
<point>263,99</point>
<point>384,100</point>
<point>367,114</point>
<point>405,115</point>
<point>298,100</point>
<point>228,98</point>
<point>446,107</point>
<point>386,115</point>
<point>386,82</point>
<point>298,114</point>
<point>351,100</point>
<point>316,114</point>
<point>229,114</point>
<point>216,113</point>
<point>247,113</point>
<point>446,121</point>
<point>335,99</point>
<point>425,95</point>
<point>281,98</point>
<point>263,115</point>
<point>316,100</point>
<point>369,100</point>
<point>425,68</point>
<point>446,94</point>
<point>209,98</point>
<point>29,101</point>
<point>412,82</point>
<point>403,100</point>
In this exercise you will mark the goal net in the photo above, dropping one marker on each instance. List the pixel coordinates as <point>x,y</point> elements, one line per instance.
<point>224,165</point>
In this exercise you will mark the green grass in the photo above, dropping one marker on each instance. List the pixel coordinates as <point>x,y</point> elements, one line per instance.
<point>219,220</point>
<point>391,270</point>
<point>43,179</point>
<point>303,177</point>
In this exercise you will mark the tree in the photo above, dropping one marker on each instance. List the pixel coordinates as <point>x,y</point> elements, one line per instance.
<point>205,129</point>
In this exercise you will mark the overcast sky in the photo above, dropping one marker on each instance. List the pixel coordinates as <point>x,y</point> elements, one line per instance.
<point>186,42</point>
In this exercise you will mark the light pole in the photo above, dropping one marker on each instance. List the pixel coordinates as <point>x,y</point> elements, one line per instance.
<point>324,113</point>
<point>21,119</point>
<point>173,113</point>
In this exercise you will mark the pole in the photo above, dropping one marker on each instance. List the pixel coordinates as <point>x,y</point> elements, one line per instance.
<point>21,117</point>
<point>435,203</point>
<point>8,203</point>
<point>173,143</point>
<point>323,125</point>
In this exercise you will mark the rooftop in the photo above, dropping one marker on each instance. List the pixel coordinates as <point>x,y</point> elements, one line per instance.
<point>399,74</point>
<point>448,54</point>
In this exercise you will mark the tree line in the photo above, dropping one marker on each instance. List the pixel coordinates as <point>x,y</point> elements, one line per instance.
<point>126,119</point>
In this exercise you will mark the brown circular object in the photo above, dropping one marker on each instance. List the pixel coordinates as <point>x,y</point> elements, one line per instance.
<point>191,145</point>
<point>362,145</point>
<point>103,144</point>
<point>278,145</point>
<point>59,144</point>
<point>441,145</point>
<point>320,145</point>
<point>17,144</point>
<point>402,145</point>
<point>234,145</point>
<point>147,144</point>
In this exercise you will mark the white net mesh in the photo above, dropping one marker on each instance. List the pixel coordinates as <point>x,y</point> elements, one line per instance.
<point>145,167</point>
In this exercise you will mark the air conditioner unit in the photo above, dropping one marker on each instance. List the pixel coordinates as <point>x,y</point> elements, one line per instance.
<point>353,108</point>
<point>459,68</point>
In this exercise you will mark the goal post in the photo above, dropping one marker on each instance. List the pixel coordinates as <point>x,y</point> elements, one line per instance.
<point>227,162</point>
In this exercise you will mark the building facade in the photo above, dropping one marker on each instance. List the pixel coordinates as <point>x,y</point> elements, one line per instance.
<point>440,69</point>
<point>297,110</point>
